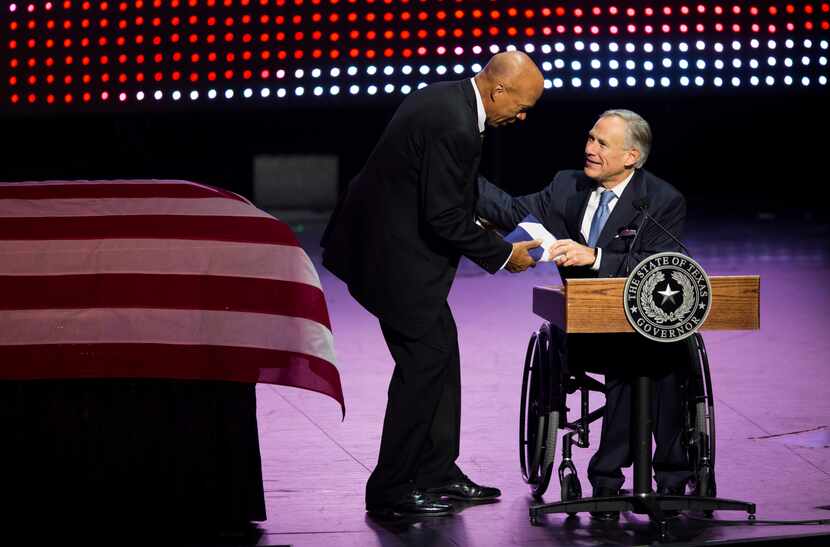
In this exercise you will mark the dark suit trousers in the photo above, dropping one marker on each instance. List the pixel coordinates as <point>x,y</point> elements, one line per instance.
<point>667,365</point>
<point>421,430</point>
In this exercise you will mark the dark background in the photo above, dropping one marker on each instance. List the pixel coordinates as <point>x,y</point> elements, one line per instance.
<point>744,154</point>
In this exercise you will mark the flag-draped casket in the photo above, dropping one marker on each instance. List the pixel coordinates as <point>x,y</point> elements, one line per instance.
<point>156,279</point>
<point>135,317</point>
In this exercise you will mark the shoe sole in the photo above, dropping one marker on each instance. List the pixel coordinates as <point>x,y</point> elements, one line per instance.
<point>464,498</point>
<point>397,514</point>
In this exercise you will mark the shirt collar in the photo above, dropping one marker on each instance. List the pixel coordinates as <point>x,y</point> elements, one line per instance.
<point>482,115</point>
<point>618,189</point>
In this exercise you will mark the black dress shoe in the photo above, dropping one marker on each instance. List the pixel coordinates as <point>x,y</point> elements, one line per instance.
<point>464,489</point>
<point>415,504</point>
<point>677,490</point>
<point>606,516</point>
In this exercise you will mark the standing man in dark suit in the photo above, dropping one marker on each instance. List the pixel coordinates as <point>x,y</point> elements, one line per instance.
<point>395,238</point>
<point>587,210</point>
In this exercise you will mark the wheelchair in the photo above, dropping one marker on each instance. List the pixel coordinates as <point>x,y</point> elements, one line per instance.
<point>547,379</point>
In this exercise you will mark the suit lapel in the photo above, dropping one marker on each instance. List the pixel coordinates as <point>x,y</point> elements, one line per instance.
<point>624,212</point>
<point>575,208</point>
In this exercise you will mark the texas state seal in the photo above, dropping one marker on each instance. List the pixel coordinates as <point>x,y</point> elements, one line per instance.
<point>667,297</point>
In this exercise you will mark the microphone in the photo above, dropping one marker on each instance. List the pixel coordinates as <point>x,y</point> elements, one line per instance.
<point>642,206</point>
<point>627,260</point>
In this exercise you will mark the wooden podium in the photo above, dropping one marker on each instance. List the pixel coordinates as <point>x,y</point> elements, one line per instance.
<point>595,306</point>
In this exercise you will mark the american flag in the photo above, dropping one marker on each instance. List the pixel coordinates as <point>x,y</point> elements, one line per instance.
<point>156,279</point>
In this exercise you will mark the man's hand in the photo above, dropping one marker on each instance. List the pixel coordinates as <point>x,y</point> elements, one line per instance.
<point>520,259</point>
<point>567,252</point>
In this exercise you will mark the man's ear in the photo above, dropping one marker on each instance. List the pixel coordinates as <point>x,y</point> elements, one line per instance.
<point>631,158</point>
<point>497,89</point>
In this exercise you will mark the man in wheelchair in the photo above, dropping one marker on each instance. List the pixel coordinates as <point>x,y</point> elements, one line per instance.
<point>594,214</point>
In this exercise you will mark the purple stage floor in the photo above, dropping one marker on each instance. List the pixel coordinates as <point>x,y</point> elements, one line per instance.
<point>772,408</point>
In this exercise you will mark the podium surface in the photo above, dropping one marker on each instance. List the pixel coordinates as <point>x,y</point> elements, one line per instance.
<point>595,305</point>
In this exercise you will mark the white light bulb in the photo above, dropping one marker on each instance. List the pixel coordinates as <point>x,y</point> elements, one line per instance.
<point>265,92</point>
<point>211,94</point>
<point>248,93</point>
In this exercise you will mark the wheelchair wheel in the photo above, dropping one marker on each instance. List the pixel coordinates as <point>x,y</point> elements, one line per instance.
<point>570,488</point>
<point>700,420</point>
<point>537,421</point>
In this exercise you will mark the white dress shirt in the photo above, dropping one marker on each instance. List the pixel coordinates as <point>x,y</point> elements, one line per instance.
<point>593,203</point>
<point>482,115</point>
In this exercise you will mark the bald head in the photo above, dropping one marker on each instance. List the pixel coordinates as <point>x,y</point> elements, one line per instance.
<point>510,84</point>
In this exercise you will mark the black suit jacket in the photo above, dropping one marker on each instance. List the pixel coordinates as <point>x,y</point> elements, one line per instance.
<point>399,230</point>
<point>561,206</point>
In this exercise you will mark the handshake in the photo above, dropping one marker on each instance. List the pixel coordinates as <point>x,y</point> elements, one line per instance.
<point>532,243</point>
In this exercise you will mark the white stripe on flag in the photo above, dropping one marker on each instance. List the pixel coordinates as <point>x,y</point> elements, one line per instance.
<point>90,207</point>
<point>157,256</point>
<point>163,326</point>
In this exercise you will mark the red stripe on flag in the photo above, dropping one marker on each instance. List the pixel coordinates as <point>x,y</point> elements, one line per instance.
<point>218,228</point>
<point>166,291</point>
<point>234,364</point>
<point>80,190</point>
